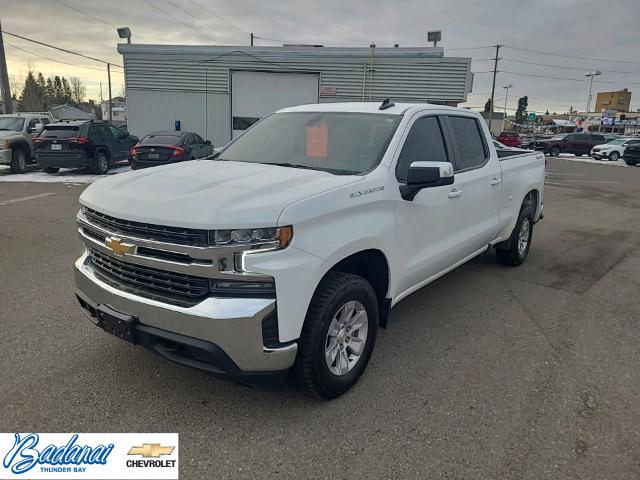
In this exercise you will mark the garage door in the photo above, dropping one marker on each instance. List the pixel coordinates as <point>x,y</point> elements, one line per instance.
<point>256,94</point>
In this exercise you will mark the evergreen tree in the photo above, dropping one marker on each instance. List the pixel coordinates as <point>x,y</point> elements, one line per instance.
<point>31,99</point>
<point>487,106</point>
<point>521,112</point>
<point>50,93</point>
<point>58,91</point>
<point>67,96</point>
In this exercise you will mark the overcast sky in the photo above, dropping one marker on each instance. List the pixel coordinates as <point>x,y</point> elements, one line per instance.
<point>582,28</point>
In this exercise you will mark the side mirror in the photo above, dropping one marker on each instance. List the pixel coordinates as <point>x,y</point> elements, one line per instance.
<point>37,128</point>
<point>426,175</point>
<point>208,142</point>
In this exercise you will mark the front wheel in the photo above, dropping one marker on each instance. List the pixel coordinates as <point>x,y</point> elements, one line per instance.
<point>555,151</point>
<point>515,250</point>
<point>338,335</point>
<point>18,161</point>
<point>614,156</point>
<point>50,169</point>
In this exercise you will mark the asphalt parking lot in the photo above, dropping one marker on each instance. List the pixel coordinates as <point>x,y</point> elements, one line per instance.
<point>488,373</point>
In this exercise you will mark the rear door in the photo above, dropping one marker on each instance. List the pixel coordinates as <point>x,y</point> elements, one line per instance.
<point>121,143</point>
<point>477,188</point>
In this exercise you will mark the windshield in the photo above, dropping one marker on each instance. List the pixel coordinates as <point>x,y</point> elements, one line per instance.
<point>619,141</point>
<point>336,142</point>
<point>59,131</point>
<point>11,123</point>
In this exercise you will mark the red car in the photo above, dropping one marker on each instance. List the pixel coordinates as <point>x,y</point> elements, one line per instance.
<point>510,139</point>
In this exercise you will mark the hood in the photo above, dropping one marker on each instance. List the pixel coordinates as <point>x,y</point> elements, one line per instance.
<point>208,194</point>
<point>603,146</point>
<point>6,133</point>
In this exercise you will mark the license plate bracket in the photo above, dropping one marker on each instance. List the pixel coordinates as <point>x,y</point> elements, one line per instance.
<point>119,324</point>
<point>153,156</point>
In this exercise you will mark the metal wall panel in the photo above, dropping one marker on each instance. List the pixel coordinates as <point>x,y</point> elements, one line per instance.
<point>150,110</point>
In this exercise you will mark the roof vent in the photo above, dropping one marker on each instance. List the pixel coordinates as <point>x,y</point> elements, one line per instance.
<point>386,103</point>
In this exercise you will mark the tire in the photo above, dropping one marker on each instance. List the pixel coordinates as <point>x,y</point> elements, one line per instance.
<point>50,169</point>
<point>630,162</point>
<point>100,162</point>
<point>555,151</point>
<point>614,156</point>
<point>335,296</point>
<point>18,161</point>
<point>513,252</point>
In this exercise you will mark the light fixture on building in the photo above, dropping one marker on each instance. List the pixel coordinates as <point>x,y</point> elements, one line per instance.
<point>434,36</point>
<point>125,32</point>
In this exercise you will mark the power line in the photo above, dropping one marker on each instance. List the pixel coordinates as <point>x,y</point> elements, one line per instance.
<point>470,48</point>
<point>219,17</point>
<point>572,56</point>
<point>156,6</point>
<point>564,67</point>
<point>97,19</point>
<point>60,48</point>
<point>197,19</point>
<point>51,59</point>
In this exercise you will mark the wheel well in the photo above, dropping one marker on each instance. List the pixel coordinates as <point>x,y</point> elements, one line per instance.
<point>532,199</point>
<point>21,145</point>
<point>373,266</point>
<point>105,150</point>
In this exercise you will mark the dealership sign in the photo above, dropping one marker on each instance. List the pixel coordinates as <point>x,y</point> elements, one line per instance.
<point>89,455</point>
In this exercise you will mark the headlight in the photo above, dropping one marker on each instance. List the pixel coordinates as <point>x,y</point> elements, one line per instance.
<point>274,238</point>
<point>4,144</point>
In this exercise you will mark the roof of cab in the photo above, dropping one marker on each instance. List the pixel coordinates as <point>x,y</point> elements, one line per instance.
<point>368,107</point>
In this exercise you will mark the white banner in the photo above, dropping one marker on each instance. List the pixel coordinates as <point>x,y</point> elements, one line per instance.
<point>89,455</point>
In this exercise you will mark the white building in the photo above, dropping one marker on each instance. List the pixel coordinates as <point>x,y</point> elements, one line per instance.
<point>220,91</point>
<point>119,109</point>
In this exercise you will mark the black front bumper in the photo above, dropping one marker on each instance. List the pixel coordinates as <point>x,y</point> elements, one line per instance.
<point>191,352</point>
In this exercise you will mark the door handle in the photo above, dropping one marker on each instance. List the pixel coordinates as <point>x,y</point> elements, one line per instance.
<point>454,193</point>
<point>495,181</point>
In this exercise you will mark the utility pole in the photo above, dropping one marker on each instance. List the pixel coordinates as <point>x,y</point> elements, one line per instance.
<point>110,101</point>
<point>4,79</point>
<point>251,37</point>
<point>506,95</point>
<point>493,87</point>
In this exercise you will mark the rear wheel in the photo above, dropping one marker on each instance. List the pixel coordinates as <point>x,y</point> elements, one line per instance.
<point>18,161</point>
<point>338,335</point>
<point>614,156</point>
<point>515,250</point>
<point>630,162</point>
<point>50,169</point>
<point>555,151</point>
<point>100,163</point>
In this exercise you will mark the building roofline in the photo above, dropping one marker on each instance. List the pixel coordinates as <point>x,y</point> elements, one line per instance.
<point>388,52</point>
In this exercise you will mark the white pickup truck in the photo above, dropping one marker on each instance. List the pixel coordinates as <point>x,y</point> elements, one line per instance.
<point>287,250</point>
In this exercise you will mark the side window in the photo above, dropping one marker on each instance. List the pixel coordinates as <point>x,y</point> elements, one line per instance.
<point>94,131</point>
<point>105,131</point>
<point>116,132</point>
<point>470,147</point>
<point>423,144</point>
<point>571,138</point>
<point>598,138</point>
<point>44,121</point>
<point>197,139</point>
<point>190,140</point>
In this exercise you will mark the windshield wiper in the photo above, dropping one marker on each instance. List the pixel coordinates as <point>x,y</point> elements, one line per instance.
<point>296,165</point>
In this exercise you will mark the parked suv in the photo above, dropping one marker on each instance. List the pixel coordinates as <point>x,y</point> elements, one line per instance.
<point>16,138</point>
<point>632,154</point>
<point>614,149</point>
<point>161,148</point>
<point>82,143</point>
<point>576,143</point>
<point>510,139</point>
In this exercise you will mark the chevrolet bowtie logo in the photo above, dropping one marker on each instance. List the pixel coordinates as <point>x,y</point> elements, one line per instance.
<point>117,247</point>
<point>151,450</point>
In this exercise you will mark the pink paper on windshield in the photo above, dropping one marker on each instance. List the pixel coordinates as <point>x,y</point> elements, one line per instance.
<point>317,140</point>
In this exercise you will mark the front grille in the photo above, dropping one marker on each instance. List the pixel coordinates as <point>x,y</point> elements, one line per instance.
<point>148,231</point>
<point>161,285</point>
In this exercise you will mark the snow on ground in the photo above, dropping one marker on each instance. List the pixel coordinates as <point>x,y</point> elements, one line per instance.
<point>65,175</point>
<point>585,159</point>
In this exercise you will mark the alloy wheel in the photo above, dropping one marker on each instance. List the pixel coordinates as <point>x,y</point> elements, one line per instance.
<point>346,338</point>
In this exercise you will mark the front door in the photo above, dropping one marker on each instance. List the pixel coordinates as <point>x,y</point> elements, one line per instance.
<point>427,227</point>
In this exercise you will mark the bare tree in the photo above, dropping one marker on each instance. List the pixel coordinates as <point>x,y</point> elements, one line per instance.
<point>78,90</point>
<point>16,83</point>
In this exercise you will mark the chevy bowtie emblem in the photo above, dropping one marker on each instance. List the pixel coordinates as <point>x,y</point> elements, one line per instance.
<point>151,450</point>
<point>117,247</point>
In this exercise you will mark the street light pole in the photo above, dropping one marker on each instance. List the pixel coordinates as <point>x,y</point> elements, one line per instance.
<point>591,74</point>
<point>506,95</point>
